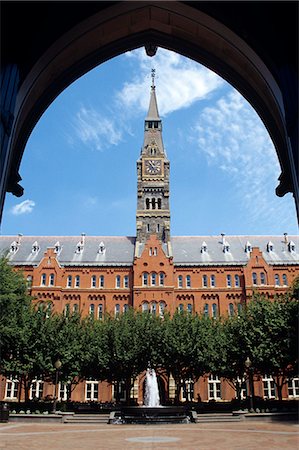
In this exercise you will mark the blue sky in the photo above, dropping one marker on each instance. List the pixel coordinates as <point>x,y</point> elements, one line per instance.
<point>79,165</point>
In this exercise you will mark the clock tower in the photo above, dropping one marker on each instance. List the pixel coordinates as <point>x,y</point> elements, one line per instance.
<point>153,214</point>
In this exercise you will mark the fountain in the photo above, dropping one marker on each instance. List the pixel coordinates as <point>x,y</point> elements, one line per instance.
<point>151,397</point>
<point>152,411</point>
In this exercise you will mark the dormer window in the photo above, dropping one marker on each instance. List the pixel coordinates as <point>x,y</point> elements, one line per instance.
<point>57,248</point>
<point>291,246</point>
<point>226,247</point>
<point>35,247</point>
<point>13,247</point>
<point>248,247</point>
<point>102,248</point>
<point>203,247</point>
<point>270,247</point>
<point>80,247</point>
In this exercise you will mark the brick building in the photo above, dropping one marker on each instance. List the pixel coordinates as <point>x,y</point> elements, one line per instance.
<point>154,271</point>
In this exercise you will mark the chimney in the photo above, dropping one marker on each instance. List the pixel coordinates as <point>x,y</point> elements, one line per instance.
<point>223,240</point>
<point>19,238</point>
<point>83,238</point>
<point>285,238</point>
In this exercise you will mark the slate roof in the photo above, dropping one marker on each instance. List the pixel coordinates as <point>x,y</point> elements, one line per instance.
<point>119,250</point>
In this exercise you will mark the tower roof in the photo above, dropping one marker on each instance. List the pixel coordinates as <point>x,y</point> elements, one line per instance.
<point>153,113</point>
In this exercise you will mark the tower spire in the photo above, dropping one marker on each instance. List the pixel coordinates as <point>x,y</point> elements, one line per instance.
<point>153,113</point>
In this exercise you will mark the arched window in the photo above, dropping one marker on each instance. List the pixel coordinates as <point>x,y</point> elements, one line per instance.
<point>231,309</point>
<point>213,281</point>
<point>161,308</point>
<point>145,278</point>
<point>116,310</point>
<point>77,281</point>
<point>91,310</point>
<point>214,310</point>
<point>67,309</point>
<point>263,278</point>
<point>240,308</point>
<point>153,203</point>
<point>147,203</point>
<point>206,310</point>
<point>125,308</point>
<point>181,307</point>
<point>43,279</point>
<point>189,308</point>
<point>145,307</point>
<point>159,203</point>
<point>51,279</point>
<point>237,281</point>
<point>228,281</point>
<point>126,281</point>
<point>180,281</point>
<point>277,280</point>
<point>69,281</point>
<point>254,278</point>
<point>284,279</point>
<point>100,311</point>
<point>117,281</point>
<point>153,279</point>
<point>49,309</point>
<point>188,281</point>
<point>204,281</point>
<point>93,281</point>
<point>161,278</point>
<point>75,308</point>
<point>153,308</point>
<point>29,281</point>
<point>101,281</point>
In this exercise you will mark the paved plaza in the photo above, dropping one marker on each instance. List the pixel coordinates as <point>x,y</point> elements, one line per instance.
<point>222,436</point>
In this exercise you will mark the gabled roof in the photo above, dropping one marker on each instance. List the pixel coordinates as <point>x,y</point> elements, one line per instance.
<point>119,250</point>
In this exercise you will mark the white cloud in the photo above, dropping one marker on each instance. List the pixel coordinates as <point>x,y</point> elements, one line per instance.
<point>233,138</point>
<point>180,82</point>
<point>94,130</point>
<point>25,207</point>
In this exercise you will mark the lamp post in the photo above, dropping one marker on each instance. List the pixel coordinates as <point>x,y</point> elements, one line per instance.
<point>57,366</point>
<point>248,365</point>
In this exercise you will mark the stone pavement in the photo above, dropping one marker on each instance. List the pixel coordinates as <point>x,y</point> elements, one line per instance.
<point>210,436</point>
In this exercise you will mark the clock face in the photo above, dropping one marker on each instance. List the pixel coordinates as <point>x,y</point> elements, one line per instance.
<point>153,167</point>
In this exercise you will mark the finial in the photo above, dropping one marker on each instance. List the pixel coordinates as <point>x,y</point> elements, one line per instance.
<point>153,78</point>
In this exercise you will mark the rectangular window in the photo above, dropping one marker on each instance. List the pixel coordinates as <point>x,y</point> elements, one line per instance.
<point>92,390</point>
<point>269,387</point>
<point>214,387</point>
<point>188,281</point>
<point>119,391</point>
<point>293,388</point>
<point>117,281</point>
<point>126,281</point>
<point>242,387</point>
<point>36,389</point>
<point>62,391</point>
<point>187,391</point>
<point>11,389</point>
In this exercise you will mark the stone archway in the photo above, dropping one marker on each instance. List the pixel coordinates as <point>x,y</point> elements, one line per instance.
<point>125,26</point>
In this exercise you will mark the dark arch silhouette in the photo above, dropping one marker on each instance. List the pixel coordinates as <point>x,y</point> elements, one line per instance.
<point>252,45</point>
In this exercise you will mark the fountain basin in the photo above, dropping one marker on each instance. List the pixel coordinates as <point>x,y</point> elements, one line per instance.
<point>153,414</point>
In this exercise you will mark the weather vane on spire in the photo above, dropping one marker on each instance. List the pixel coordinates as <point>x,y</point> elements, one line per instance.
<point>153,77</point>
